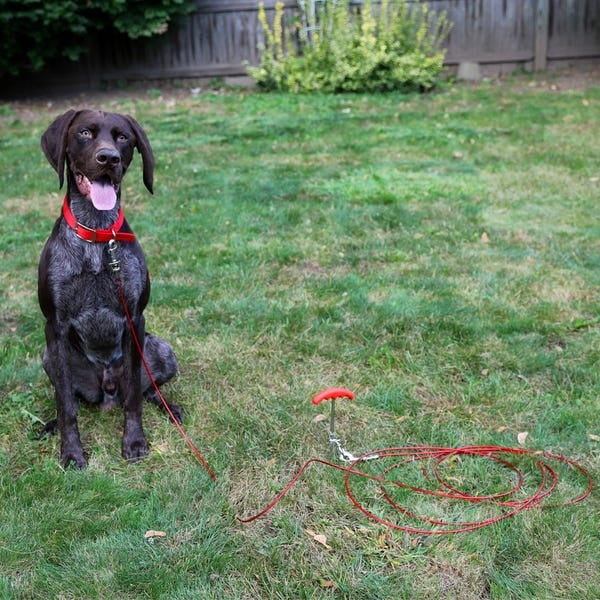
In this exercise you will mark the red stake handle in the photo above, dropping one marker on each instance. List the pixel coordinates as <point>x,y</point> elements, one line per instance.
<point>332,394</point>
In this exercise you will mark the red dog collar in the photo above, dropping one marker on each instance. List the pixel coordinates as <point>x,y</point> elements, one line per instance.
<point>97,235</point>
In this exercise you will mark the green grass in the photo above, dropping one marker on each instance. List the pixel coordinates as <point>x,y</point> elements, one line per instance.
<point>438,255</point>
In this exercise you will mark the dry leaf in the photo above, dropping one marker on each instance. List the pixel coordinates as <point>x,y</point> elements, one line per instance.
<point>521,437</point>
<point>152,534</point>
<point>327,583</point>
<point>485,238</point>
<point>485,372</point>
<point>594,179</point>
<point>585,102</point>
<point>319,418</point>
<point>501,429</point>
<point>321,539</point>
<point>161,448</point>
<point>594,438</point>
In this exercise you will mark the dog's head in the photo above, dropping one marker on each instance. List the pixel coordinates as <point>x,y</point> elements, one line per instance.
<point>97,148</point>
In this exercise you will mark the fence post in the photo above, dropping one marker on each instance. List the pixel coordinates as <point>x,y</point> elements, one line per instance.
<point>542,15</point>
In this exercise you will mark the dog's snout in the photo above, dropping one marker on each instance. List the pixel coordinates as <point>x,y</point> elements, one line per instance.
<point>108,157</point>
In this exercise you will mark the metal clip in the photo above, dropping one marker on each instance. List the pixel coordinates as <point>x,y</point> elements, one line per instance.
<point>345,456</point>
<point>114,263</point>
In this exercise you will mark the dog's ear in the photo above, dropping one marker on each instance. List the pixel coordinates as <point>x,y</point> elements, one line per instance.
<point>54,142</point>
<point>143,146</point>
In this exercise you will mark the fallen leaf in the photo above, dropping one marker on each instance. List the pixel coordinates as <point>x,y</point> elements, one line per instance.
<point>585,102</point>
<point>501,429</point>
<point>152,534</point>
<point>485,238</point>
<point>161,448</point>
<point>485,372</point>
<point>327,583</point>
<point>319,418</point>
<point>321,539</point>
<point>594,179</point>
<point>594,438</point>
<point>521,437</point>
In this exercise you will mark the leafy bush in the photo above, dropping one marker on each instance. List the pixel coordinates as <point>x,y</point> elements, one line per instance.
<point>343,50</point>
<point>32,32</point>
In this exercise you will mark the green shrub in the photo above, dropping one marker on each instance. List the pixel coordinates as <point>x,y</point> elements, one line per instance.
<point>344,50</point>
<point>33,32</point>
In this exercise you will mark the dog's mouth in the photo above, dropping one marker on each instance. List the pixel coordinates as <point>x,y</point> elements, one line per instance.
<point>102,191</point>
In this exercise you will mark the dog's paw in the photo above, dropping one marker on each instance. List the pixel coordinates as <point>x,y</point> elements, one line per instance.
<point>73,456</point>
<point>50,428</point>
<point>176,411</point>
<point>135,449</point>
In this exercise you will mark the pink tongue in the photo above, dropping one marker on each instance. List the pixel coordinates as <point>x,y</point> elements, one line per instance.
<point>103,197</point>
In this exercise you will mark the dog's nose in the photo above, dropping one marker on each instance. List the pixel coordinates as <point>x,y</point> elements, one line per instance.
<point>108,157</point>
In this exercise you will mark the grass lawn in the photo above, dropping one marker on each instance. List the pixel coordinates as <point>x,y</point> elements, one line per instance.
<point>438,255</point>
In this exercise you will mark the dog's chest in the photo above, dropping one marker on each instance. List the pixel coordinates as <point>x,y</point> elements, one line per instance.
<point>83,280</point>
<point>93,258</point>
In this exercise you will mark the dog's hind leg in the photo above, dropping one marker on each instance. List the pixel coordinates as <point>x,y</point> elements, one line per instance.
<point>51,427</point>
<point>162,362</point>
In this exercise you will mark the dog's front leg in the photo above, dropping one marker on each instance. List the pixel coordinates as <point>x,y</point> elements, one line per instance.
<point>66,402</point>
<point>135,445</point>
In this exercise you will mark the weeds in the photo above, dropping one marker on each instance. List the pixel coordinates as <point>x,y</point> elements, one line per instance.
<point>337,48</point>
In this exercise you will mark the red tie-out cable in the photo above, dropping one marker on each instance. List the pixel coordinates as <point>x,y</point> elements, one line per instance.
<point>505,502</point>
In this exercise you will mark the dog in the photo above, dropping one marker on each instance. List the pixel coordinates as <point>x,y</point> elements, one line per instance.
<point>90,352</point>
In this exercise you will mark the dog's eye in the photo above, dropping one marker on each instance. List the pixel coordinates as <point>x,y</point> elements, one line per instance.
<point>122,138</point>
<point>86,133</point>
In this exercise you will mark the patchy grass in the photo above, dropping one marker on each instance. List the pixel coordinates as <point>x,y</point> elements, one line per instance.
<point>436,254</point>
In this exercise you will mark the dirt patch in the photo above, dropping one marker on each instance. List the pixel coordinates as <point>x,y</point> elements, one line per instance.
<point>562,76</point>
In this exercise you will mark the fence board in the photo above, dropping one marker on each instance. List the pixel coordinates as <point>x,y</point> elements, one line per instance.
<point>574,29</point>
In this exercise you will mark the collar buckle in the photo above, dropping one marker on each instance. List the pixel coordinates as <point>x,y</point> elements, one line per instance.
<point>90,238</point>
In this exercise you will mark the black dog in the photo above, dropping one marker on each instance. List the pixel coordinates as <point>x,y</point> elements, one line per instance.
<point>90,352</point>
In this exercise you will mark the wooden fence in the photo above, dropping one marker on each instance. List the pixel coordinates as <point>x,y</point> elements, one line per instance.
<point>221,36</point>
